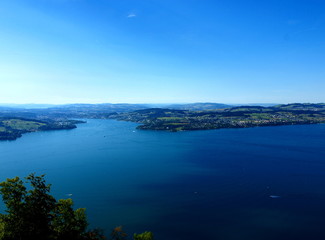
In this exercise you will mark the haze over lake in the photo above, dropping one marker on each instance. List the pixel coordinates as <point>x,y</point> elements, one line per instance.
<point>251,183</point>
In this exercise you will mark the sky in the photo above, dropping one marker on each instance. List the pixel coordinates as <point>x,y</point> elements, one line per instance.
<point>162,51</point>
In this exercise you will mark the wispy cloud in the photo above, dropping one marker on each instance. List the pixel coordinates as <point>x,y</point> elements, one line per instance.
<point>131,15</point>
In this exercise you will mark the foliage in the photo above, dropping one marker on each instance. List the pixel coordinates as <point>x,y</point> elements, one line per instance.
<point>35,214</point>
<point>95,234</point>
<point>235,117</point>
<point>22,124</point>
<point>12,128</point>
<point>29,212</point>
<point>69,224</point>
<point>143,236</point>
<point>118,234</point>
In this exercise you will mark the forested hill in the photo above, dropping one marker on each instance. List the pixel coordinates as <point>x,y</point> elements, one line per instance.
<point>68,111</point>
<point>236,117</point>
<point>198,106</point>
<point>13,128</point>
<point>16,121</point>
<point>45,111</point>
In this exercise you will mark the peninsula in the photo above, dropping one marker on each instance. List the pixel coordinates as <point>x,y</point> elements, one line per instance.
<point>12,128</point>
<point>235,117</point>
<point>197,116</point>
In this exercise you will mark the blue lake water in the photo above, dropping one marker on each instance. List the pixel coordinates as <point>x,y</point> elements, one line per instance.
<point>254,183</point>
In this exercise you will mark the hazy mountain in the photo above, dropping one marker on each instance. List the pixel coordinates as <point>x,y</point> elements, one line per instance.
<point>27,106</point>
<point>198,106</point>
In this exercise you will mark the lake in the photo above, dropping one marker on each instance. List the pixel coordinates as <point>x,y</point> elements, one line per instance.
<point>254,183</point>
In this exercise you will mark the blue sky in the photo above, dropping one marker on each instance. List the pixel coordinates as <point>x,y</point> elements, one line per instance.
<point>162,51</point>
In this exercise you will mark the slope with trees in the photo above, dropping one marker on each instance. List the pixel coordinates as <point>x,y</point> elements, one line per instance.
<point>33,214</point>
<point>235,117</point>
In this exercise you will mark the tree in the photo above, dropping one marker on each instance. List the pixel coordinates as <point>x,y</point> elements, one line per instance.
<point>118,234</point>
<point>35,215</point>
<point>69,224</point>
<point>29,212</point>
<point>143,236</point>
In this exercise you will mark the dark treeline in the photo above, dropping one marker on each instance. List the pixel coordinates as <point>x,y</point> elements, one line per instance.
<point>33,214</point>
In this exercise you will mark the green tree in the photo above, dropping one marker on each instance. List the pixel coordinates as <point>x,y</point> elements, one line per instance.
<point>143,236</point>
<point>67,223</point>
<point>118,234</point>
<point>29,212</point>
<point>35,215</point>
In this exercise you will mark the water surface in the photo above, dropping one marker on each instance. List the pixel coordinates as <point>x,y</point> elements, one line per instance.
<point>254,183</point>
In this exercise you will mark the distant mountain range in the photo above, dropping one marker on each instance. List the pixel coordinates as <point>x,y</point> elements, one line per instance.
<point>26,106</point>
<point>198,106</point>
<point>14,121</point>
<point>234,117</point>
<point>121,107</point>
<point>49,111</point>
